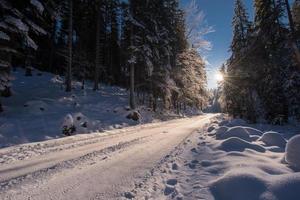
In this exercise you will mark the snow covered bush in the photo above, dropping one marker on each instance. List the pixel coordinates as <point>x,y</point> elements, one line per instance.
<point>221,130</point>
<point>68,127</point>
<point>237,144</point>
<point>292,152</point>
<point>238,131</point>
<point>273,139</point>
<point>238,185</point>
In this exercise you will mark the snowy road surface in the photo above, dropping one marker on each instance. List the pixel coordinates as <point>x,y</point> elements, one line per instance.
<point>90,166</point>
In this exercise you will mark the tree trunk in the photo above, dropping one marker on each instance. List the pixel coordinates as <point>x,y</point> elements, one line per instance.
<point>131,96</point>
<point>1,107</point>
<point>28,68</point>
<point>98,50</point>
<point>70,48</point>
<point>52,47</point>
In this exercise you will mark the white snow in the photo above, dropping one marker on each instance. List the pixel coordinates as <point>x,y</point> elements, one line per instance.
<point>17,23</point>
<point>292,155</point>
<point>38,5</point>
<point>238,144</point>
<point>229,168</point>
<point>4,36</point>
<point>39,105</point>
<point>237,131</point>
<point>272,138</point>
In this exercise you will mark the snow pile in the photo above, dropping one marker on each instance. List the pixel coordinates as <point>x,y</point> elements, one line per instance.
<point>224,163</point>
<point>273,139</point>
<point>253,131</point>
<point>292,155</point>
<point>238,185</point>
<point>237,144</point>
<point>239,132</point>
<point>252,185</point>
<point>220,131</point>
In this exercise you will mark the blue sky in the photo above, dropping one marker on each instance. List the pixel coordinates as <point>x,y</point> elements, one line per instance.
<point>218,13</point>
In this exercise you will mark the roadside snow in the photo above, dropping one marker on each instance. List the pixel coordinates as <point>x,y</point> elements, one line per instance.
<point>39,109</point>
<point>292,155</point>
<point>221,163</point>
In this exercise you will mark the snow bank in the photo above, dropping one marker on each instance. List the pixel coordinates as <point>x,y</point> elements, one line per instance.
<point>238,185</point>
<point>237,144</point>
<point>273,139</point>
<point>238,131</point>
<point>220,131</point>
<point>292,155</point>
<point>254,185</point>
<point>253,131</point>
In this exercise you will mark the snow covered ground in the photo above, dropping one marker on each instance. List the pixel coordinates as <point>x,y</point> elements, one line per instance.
<point>229,160</point>
<point>91,166</point>
<point>39,108</point>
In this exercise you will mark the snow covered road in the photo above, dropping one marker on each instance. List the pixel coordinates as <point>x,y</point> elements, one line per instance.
<point>96,166</point>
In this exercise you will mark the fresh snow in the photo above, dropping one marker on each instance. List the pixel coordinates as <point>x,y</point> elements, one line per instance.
<point>39,105</point>
<point>39,6</point>
<point>292,155</point>
<point>231,168</point>
<point>272,138</point>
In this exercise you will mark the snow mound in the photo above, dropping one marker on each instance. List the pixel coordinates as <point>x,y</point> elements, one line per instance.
<point>253,131</point>
<point>292,152</point>
<point>237,144</point>
<point>273,139</point>
<point>253,185</point>
<point>237,186</point>
<point>238,131</point>
<point>221,130</point>
<point>286,187</point>
<point>236,122</point>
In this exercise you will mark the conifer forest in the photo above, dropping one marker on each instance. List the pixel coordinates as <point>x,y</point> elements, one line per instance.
<point>150,99</point>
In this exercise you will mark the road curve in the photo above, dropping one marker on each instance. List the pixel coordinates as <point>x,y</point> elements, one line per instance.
<point>90,167</point>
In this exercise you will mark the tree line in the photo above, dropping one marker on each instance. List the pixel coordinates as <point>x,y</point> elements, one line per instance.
<point>262,76</point>
<point>140,45</point>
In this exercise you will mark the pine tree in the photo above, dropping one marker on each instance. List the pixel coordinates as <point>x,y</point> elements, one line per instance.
<point>269,56</point>
<point>296,16</point>
<point>237,84</point>
<point>21,27</point>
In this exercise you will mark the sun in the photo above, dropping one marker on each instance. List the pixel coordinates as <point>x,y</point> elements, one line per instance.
<point>219,77</point>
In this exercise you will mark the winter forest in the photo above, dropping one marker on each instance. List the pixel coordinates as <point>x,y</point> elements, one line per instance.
<point>138,45</point>
<point>262,74</point>
<point>150,99</point>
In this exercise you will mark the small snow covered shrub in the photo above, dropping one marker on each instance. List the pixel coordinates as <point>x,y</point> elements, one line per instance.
<point>292,152</point>
<point>238,131</point>
<point>68,127</point>
<point>237,144</point>
<point>221,130</point>
<point>135,116</point>
<point>273,139</point>
<point>237,185</point>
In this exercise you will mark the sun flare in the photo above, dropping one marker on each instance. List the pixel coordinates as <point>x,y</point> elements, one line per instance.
<point>219,77</point>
